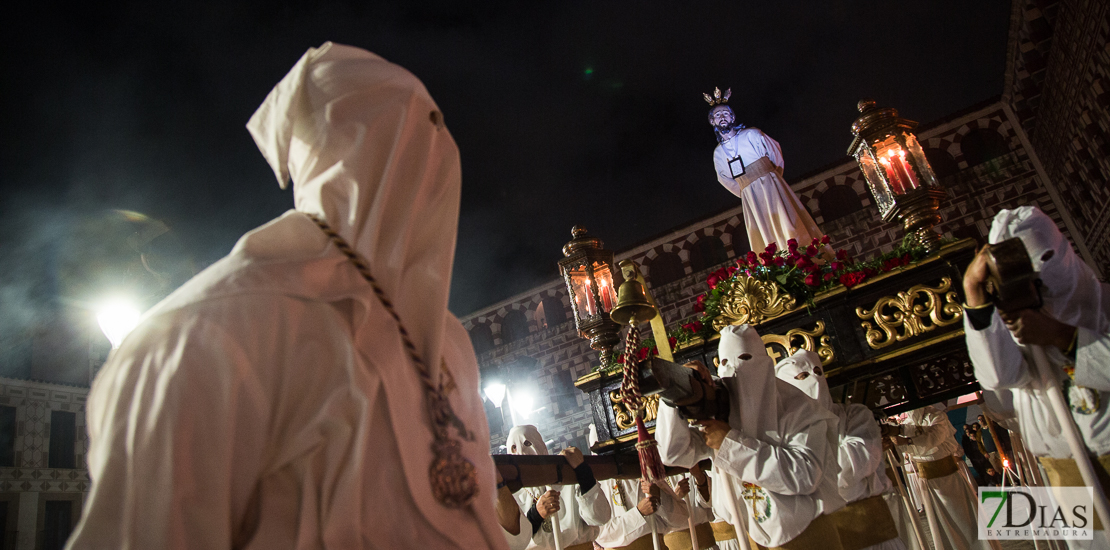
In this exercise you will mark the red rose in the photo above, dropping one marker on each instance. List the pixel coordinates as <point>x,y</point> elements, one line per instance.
<point>672,341</point>
<point>792,245</point>
<point>771,248</point>
<point>812,279</point>
<point>906,260</point>
<point>732,270</point>
<point>741,262</point>
<point>802,263</point>
<point>829,276</point>
<point>642,353</point>
<point>713,280</point>
<point>697,326</point>
<point>852,279</point>
<point>753,259</point>
<point>837,266</point>
<point>699,306</point>
<point>780,262</point>
<point>842,255</point>
<point>825,239</point>
<point>811,250</point>
<point>655,351</point>
<point>814,242</point>
<point>620,359</point>
<point>766,258</point>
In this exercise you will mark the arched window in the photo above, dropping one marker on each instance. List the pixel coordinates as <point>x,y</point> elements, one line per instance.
<point>838,201</point>
<point>981,145</point>
<point>514,326</point>
<point>481,337</point>
<point>554,311</point>
<point>665,268</point>
<point>706,253</point>
<point>943,164</point>
<point>740,244</point>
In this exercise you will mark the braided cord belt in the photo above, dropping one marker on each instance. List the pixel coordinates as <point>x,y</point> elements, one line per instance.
<point>630,381</point>
<point>453,477</point>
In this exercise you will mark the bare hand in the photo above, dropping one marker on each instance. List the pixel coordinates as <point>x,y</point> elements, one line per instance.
<point>1032,327</point>
<point>574,456</point>
<point>975,279</point>
<point>683,488</point>
<point>699,476</point>
<point>901,440</point>
<point>648,505</point>
<point>548,504</point>
<point>714,431</point>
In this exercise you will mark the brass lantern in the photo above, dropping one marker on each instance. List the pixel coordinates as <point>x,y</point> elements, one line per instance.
<point>900,178</point>
<point>587,270</point>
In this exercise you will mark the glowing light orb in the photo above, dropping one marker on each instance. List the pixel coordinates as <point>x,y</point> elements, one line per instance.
<point>117,318</point>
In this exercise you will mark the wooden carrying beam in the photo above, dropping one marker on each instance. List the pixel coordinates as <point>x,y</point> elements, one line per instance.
<point>542,470</point>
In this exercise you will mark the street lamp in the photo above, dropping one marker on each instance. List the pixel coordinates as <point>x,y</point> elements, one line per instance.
<point>117,317</point>
<point>587,270</point>
<point>899,175</point>
<point>495,392</point>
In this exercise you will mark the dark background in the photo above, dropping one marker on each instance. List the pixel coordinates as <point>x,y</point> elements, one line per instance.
<point>565,113</point>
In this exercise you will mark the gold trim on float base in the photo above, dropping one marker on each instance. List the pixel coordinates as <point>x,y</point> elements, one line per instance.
<point>906,318</point>
<point>896,353</point>
<point>752,301</point>
<point>624,415</point>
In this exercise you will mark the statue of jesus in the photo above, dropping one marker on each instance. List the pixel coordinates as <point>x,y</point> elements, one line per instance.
<point>749,164</point>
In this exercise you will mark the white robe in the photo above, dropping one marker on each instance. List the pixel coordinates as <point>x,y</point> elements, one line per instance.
<point>780,456</point>
<point>580,516</point>
<point>1071,295</point>
<point>628,524</point>
<point>949,499</point>
<point>269,403</point>
<point>772,212</point>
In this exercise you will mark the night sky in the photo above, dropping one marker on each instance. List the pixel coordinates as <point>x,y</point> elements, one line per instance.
<point>564,112</point>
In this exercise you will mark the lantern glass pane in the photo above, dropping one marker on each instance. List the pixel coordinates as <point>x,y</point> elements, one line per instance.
<point>604,280</point>
<point>919,162</point>
<point>875,180</point>
<point>582,293</point>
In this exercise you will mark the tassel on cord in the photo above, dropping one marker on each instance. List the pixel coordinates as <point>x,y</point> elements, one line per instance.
<point>651,465</point>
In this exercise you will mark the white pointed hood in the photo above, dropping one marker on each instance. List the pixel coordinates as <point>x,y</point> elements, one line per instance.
<point>742,350</point>
<point>799,370</point>
<point>518,435</point>
<point>1071,291</point>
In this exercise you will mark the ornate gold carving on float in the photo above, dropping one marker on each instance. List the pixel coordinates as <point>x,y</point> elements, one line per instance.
<point>814,340</point>
<point>625,416</point>
<point>910,313</point>
<point>752,301</point>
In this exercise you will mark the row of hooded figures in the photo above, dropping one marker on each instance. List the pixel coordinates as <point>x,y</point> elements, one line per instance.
<point>312,389</point>
<point>793,469</point>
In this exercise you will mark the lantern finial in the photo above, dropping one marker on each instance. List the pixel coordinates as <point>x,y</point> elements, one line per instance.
<point>865,104</point>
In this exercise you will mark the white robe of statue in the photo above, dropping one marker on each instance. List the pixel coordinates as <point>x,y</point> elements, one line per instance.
<point>780,456</point>
<point>949,501</point>
<point>269,402</point>
<point>772,212</point>
<point>1073,295</point>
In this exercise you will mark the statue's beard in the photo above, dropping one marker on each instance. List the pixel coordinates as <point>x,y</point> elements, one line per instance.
<point>726,131</point>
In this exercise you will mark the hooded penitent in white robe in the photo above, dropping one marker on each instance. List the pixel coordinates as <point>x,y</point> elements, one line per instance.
<point>628,524</point>
<point>949,501</point>
<point>772,212</point>
<point>860,446</point>
<point>268,403</point>
<point>582,512</point>
<point>1072,295</point>
<point>779,457</point>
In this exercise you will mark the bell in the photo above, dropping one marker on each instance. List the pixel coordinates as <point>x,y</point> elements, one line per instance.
<point>633,305</point>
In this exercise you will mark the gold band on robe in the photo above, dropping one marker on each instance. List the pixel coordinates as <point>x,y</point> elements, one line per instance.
<point>583,546</point>
<point>1064,472</point>
<point>723,531</point>
<point>864,523</point>
<point>820,534</point>
<point>642,543</point>
<point>680,540</point>
<point>761,167</point>
<point>934,469</point>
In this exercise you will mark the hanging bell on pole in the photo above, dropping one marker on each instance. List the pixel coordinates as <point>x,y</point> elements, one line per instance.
<point>633,305</point>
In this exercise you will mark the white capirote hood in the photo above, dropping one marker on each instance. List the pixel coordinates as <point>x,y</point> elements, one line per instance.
<point>814,385</point>
<point>1072,293</point>
<point>519,434</point>
<point>742,350</point>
